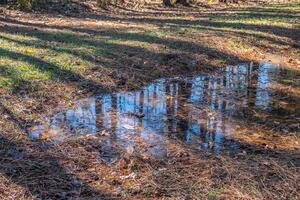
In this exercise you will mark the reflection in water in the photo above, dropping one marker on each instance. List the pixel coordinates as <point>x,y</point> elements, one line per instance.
<point>200,110</point>
<point>265,75</point>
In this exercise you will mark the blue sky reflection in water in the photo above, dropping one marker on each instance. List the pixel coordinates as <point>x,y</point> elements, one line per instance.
<point>202,111</point>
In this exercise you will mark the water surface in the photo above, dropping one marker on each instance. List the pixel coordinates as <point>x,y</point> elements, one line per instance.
<point>203,111</point>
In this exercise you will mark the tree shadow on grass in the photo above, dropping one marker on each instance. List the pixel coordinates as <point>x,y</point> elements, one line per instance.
<point>185,23</point>
<point>238,29</point>
<point>108,55</point>
<point>247,14</point>
<point>181,45</point>
<point>99,45</point>
<point>30,168</point>
<point>37,168</point>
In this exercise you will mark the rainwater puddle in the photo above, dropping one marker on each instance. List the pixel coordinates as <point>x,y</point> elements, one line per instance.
<point>206,112</point>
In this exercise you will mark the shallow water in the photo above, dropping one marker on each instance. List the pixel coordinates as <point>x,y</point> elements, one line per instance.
<point>203,111</point>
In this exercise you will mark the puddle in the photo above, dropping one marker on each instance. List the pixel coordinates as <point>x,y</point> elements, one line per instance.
<point>204,111</point>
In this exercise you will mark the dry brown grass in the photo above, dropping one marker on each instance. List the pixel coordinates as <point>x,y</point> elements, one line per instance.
<point>78,168</point>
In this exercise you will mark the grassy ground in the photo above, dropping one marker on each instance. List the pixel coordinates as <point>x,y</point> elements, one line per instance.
<point>47,60</point>
<point>104,51</point>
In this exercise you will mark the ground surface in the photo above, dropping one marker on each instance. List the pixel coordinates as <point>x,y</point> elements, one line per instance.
<point>48,60</point>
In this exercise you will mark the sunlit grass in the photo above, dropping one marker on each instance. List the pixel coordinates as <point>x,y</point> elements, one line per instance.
<point>42,55</point>
<point>288,7</point>
<point>284,15</point>
<point>52,53</point>
<point>22,59</point>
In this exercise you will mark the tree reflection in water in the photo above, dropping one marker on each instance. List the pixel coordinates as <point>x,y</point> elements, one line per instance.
<point>201,110</point>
